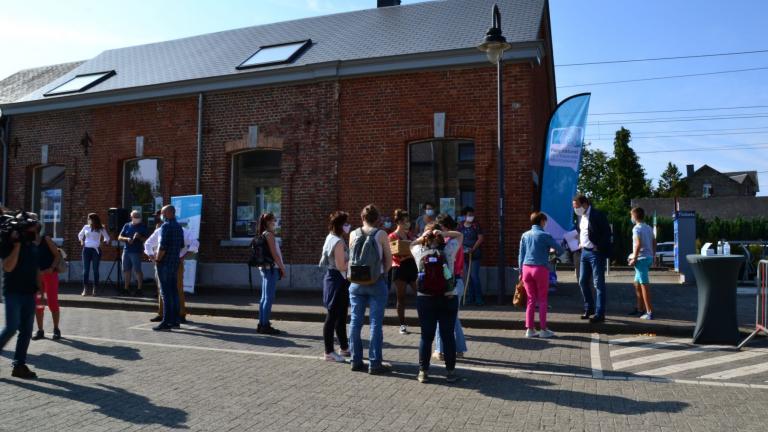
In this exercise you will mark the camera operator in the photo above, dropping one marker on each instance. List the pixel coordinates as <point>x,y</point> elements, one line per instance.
<point>21,282</point>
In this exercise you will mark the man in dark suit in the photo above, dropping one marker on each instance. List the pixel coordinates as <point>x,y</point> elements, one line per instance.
<point>595,239</point>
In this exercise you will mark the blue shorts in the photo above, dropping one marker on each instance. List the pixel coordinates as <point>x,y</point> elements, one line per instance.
<point>131,262</point>
<point>642,267</point>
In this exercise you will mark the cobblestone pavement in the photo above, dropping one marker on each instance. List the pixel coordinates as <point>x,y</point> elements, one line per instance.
<point>112,373</point>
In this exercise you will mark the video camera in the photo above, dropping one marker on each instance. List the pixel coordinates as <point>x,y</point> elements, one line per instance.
<point>14,221</point>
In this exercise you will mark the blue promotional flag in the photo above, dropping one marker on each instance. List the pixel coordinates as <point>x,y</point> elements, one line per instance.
<point>562,161</point>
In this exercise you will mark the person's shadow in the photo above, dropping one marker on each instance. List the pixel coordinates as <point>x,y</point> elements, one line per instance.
<point>110,401</point>
<point>115,351</point>
<point>72,367</point>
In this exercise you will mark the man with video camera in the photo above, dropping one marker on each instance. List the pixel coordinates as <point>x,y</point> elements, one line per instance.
<point>21,282</point>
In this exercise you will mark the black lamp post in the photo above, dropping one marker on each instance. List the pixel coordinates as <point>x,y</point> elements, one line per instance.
<point>494,46</point>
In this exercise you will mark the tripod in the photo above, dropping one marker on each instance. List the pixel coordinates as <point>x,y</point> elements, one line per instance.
<point>118,262</point>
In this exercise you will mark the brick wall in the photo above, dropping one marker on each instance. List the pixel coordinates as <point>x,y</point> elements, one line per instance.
<point>344,144</point>
<point>93,183</point>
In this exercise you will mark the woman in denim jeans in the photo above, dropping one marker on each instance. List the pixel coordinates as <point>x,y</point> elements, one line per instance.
<point>534,266</point>
<point>270,274</point>
<point>90,239</point>
<point>372,295</point>
<point>447,223</point>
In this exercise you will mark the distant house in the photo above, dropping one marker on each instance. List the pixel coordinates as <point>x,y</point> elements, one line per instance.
<point>714,194</point>
<point>707,182</point>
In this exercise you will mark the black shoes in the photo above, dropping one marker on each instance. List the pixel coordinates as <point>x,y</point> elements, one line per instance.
<point>39,335</point>
<point>359,367</point>
<point>56,334</point>
<point>267,330</point>
<point>597,319</point>
<point>379,370</point>
<point>157,319</point>
<point>183,320</point>
<point>587,314</point>
<point>635,312</point>
<point>162,327</point>
<point>22,371</point>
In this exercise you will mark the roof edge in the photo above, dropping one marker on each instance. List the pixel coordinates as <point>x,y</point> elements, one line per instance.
<point>521,52</point>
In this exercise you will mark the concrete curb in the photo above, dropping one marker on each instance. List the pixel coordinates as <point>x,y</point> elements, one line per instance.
<point>608,327</point>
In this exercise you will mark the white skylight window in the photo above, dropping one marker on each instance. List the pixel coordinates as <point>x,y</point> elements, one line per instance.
<point>276,54</point>
<point>81,83</point>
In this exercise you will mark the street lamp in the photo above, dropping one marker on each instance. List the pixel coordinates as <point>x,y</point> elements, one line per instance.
<point>494,46</point>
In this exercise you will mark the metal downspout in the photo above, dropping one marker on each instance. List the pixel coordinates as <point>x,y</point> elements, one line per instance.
<point>199,142</point>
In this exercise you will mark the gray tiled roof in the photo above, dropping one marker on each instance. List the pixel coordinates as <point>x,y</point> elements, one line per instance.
<point>27,81</point>
<point>374,33</point>
<point>741,176</point>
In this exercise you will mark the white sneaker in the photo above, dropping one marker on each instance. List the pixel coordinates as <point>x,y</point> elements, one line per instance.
<point>333,357</point>
<point>546,333</point>
<point>403,329</point>
<point>531,333</point>
<point>647,316</point>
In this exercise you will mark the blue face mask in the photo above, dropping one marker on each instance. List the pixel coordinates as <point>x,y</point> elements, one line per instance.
<point>387,225</point>
<point>162,218</point>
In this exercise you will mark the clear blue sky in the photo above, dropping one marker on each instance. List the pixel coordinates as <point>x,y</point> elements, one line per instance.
<point>46,32</point>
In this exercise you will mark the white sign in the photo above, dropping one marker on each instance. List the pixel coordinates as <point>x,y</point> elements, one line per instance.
<point>440,125</point>
<point>565,147</point>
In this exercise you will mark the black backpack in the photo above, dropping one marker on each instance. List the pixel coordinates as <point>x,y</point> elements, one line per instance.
<point>260,253</point>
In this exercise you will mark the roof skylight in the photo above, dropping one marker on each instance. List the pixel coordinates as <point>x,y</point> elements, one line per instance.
<point>275,54</point>
<point>80,83</point>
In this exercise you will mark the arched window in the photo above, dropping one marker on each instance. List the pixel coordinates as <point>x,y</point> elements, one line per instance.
<point>47,192</point>
<point>256,189</point>
<point>142,186</point>
<point>442,172</point>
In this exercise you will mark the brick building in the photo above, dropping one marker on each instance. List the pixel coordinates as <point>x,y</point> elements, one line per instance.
<point>393,105</point>
<point>707,182</point>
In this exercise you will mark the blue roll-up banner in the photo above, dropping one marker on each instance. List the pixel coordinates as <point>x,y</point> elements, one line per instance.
<point>189,211</point>
<point>562,160</point>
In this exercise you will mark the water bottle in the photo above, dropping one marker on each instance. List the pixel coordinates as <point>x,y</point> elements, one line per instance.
<point>720,247</point>
<point>727,248</point>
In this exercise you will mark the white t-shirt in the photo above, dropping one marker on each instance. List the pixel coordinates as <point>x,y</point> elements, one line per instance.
<point>91,238</point>
<point>584,230</point>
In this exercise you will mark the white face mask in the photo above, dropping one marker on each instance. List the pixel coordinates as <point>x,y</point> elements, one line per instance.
<point>347,228</point>
<point>137,220</point>
<point>579,211</point>
<point>470,219</point>
<point>430,212</point>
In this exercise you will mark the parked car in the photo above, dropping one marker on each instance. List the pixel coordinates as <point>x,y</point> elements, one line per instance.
<point>665,253</point>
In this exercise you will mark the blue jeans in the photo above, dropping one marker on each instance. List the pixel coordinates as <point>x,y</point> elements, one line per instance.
<point>475,290</point>
<point>360,297</point>
<point>269,279</point>
<point>433,310</point>
<point>19,316</point>
<point>91,256</point>
<point>168,277</point>
<point>461,342</point>
<point>592,269</point>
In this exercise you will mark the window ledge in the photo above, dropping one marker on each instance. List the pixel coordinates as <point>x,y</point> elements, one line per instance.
<point>236,242</point>
<point>58,241</point>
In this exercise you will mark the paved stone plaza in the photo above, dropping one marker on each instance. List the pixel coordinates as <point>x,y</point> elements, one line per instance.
<point>111,372</point>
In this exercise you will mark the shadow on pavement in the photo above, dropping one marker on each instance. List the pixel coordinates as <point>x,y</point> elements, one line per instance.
<point>244,335</point>
<point>115,351</point>
<point>528,344</point>
<point>71,367</point>
<point>111,401</point>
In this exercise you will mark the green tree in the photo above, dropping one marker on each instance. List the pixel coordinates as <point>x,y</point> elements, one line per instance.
<point>628,175</point>
<point>594,178</point>
<point>671,183</point>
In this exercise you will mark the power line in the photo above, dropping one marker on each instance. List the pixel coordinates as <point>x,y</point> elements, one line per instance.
<point>677,119</point>
<point>665,77</point>
<point>699,149</point>
<point>737,129</point>
<point>682,136</point>
<point>662,58</point>
<point>679,110</point>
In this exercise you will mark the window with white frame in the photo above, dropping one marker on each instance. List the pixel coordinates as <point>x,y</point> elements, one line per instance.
<point>256,189</point>
<point>142,187</point>
<point>707,192</point>
<point>47,195</point>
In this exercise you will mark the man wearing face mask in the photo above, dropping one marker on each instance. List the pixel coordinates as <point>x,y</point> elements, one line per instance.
<point>21,283</point>
<point>595,241</point>
<point>134,233</point>
<point>427,218</point>
<point>473,238</point>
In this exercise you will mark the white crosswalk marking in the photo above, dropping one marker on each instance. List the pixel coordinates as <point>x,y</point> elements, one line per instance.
<point>667,370</point>
<point>663,356</point>
<point>738,372</point>
<point>655,345</point>
<point>629,340</point>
